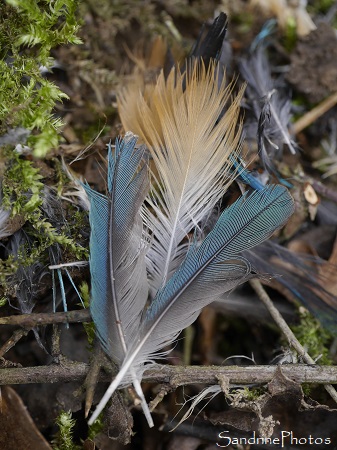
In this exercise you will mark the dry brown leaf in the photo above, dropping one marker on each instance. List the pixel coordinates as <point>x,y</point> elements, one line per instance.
<point>17,429</point>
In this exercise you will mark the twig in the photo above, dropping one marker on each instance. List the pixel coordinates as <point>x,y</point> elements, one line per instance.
<point>292,340</point>
<point>315,113</point>
<point>55,346</point>
<point>16,336</point>
<point>30,321</point>
<point>92,376</point>
<point>319,187</point>
<point>159,397</point>
<point>174,376</point>
<point>324,190</point>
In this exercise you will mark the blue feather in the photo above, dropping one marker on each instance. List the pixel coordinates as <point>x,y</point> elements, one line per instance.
<point>112,242</point>
<point>214,267</point>
<point>119,286</point>
<point>246,176</point>
<point>267,30</point>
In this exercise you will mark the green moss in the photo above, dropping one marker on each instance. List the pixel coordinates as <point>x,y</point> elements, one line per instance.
<point>21,187</point>
<point>29,30</point>
<point>252,394</point>
<point>88,133</point>
<point>8,267</point>
<point>85,294</point>
<point>96,428</point>
<point>88,327</point>
<point>23,194</point>
<point>64,438</point>
<point>313,336</point>
<point>47,235</point>
<point>320,6</point>
<point>290,34</point>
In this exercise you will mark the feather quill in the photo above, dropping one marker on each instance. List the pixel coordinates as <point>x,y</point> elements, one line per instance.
<point>191,149</point>
<point>246,176</point>
<point>119,286</point>
<point>209,269</point>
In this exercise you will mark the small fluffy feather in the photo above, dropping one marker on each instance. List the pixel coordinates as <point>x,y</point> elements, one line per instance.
<point>270,105</point>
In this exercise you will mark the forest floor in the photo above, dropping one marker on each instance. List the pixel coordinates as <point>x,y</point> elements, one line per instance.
<point>117,37</point>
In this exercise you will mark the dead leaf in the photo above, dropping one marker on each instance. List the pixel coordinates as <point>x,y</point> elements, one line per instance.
<point>283,407</point>
<point>119,421</point>
<point>236,418</point>
<point>281,384</point>
<point>17,429</point>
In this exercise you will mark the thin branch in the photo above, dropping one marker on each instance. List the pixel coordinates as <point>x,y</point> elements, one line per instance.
<point>91,379</point>
<point>171,376</point>
<point>12,341</point>
<point>292,340</point>
<point>55,346</point>
<point>159,397</point>
<point>327,192</point>
<point>30,321</point>
<point>174,376</point>
<point>319,187</point>
<point>315,113</point>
